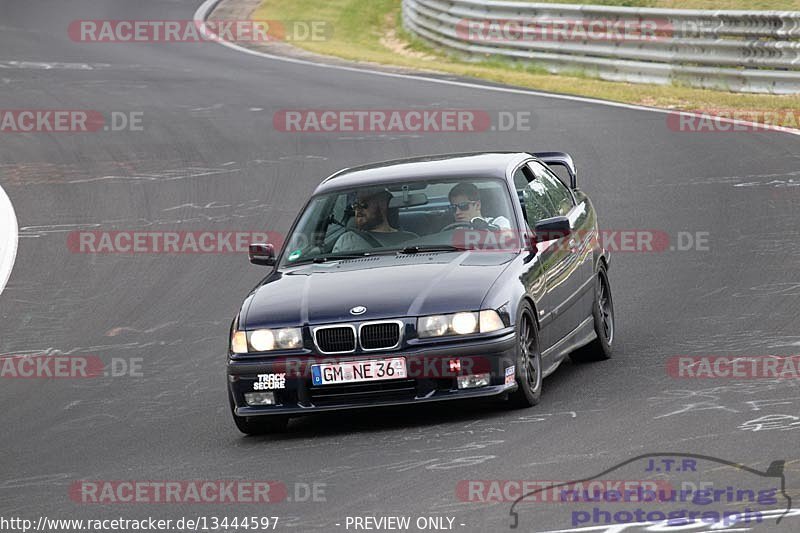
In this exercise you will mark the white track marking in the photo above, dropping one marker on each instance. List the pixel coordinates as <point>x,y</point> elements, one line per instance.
<point>8,238</point>
<point>208,6</point>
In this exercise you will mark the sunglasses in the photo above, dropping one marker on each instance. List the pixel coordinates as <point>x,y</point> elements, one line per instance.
<point>462,206</point>
<point>360,205</point>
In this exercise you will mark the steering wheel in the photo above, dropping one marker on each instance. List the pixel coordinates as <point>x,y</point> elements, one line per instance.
<point>478,223</point>
<point>455,225</point>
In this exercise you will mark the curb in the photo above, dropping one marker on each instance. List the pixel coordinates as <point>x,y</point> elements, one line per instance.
<point>8,238</point>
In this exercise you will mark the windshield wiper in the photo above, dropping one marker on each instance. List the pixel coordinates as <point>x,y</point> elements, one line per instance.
<point>326,258</point>
<point>430,248</point>
<point>368,253</point>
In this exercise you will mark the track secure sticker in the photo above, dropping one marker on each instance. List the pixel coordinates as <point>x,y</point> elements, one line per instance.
<point>510,375</point>
<point>270,382</point>
<point>294,256</point>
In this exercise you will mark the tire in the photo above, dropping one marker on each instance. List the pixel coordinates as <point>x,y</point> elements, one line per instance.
<point>259,425</point>
<point>600,348</point>
<point>529,361</point>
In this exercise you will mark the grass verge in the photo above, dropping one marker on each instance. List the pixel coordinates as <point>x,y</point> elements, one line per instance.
<point>369,31</point>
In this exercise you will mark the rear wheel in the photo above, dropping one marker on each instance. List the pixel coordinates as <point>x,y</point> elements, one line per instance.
<point>259,425</point>
<point>599,349</point>
<point>529,361</point>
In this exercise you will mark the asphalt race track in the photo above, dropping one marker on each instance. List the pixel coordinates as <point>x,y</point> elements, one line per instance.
<point>209,158</point>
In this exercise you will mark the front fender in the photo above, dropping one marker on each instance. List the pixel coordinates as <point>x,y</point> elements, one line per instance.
<point>508,291</point>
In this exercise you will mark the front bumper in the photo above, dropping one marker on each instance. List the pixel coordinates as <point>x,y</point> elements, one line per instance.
<point>430,378</point>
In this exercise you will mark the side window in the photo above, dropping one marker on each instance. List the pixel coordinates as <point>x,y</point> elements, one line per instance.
<point>535,202</point>
<point>559,195</point>
<point>337,217</point>
<point>520,180</point>
<point>340,207</point>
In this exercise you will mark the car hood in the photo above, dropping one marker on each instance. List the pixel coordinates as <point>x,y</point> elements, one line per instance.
<point>388,286</point>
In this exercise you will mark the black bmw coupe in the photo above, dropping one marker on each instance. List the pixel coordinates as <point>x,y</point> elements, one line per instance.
<point>422,280</point>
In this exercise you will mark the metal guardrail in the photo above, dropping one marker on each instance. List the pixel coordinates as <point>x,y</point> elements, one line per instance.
<point>740,51</point>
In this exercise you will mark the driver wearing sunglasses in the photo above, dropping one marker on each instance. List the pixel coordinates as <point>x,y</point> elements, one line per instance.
<point>465,203</point>
<point>371,210</point>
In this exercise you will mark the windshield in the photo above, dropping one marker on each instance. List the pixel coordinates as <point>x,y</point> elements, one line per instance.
<point>374,219</point>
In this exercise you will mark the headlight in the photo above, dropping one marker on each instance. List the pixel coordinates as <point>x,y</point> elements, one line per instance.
<point>239,342</point>
<point>266,340</point>
<point>433,326</point>
<point>289,338</point>
<point>459,324</point>
<point>490,321</point>
<point>262,340</point>
<point>464,323</point>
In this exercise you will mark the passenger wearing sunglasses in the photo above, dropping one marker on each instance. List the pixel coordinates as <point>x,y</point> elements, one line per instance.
<point>372,224</point>
<point>465,202</point>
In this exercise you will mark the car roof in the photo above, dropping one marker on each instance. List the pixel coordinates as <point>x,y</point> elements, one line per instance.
<point>466,165</point>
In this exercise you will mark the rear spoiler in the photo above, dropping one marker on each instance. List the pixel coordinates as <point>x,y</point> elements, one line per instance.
<point>560,159</point>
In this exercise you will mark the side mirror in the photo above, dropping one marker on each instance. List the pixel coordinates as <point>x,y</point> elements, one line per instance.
<point>552,228</point>
<point>261,254</point>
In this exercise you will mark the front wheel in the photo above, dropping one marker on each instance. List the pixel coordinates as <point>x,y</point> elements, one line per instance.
<point>599,349</point>
<point>529,361</point>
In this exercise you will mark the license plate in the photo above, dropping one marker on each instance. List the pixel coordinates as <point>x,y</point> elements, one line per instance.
<point>359,371</point>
